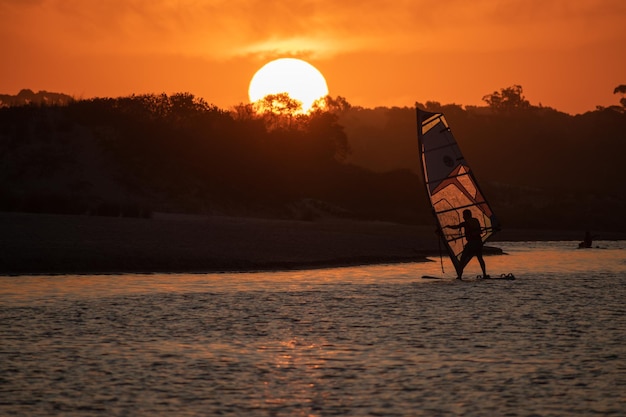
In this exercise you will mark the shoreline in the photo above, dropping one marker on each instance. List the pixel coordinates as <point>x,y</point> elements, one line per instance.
<point>48,244</point>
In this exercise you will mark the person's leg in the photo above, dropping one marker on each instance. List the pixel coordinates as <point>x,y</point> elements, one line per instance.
<point>481,261</point>
<point>466,256</point>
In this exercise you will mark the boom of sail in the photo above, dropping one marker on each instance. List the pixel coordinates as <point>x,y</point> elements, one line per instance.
<point>450,184</point>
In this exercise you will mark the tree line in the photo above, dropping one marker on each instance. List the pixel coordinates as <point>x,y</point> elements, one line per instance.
<point>179,153</point>
<point>538,166</point>
<point>132,155</point>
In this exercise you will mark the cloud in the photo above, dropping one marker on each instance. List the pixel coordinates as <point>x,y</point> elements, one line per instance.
<point>221,29</point>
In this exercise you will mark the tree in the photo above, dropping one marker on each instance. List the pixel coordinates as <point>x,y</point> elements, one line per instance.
<point>621,89</point>
<point>278,110</point>
<point>507,99</point>
<point>328,135</point>
<point>243,111</point>
<point>337,105</point>
<point>281,104</point>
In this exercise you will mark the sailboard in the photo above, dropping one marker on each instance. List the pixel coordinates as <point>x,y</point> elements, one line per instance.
<point>450,185</point>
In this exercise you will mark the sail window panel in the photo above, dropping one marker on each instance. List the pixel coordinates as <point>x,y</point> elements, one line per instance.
<point>430,124</point>
<point>440,138</point>
<point>449,203</point>
<point>431,121</point>
<point>440,164</point>
<point>466,181</point>
<point>446,203</point>
<point>447,215</point>
<point>453,198</point>
<point>456,246</point>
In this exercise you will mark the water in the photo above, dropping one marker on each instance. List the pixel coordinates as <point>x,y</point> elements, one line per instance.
<point>376,340</point>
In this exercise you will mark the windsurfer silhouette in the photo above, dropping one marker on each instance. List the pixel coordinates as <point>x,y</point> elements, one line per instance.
<point>588,241</point>
<point>474,245</point>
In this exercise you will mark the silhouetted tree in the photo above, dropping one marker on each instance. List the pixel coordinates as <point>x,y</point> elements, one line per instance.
<point>507,99</point>
<point>337,105</point>
<point>244,111</point>
<point>28,97</point>
<point>280,103</point>
<point>278,110</point>
<point>329,136</point>
<point>543,167</point>
<point>621,89</point>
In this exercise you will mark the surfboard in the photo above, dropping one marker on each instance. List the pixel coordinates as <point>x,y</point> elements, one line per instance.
<point>505,277</point>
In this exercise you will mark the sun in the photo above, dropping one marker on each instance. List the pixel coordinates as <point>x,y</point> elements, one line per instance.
<point>299,79</point>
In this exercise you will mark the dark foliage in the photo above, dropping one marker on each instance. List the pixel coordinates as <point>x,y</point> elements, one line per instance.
<point>130,155</point>
<point>29,97</point>
<point>133,155</point>
<point>539,167</point>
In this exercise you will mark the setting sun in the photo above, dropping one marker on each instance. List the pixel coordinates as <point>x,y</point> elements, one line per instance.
<point>295,77</point>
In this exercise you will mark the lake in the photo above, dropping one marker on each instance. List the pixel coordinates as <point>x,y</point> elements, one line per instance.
<point>372,340</point>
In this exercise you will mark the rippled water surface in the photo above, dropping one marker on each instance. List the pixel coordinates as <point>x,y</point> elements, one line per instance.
<point>376,340</point>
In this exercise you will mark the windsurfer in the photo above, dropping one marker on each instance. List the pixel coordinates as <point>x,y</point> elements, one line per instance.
<point>474,246</point>
<point>588,241</point>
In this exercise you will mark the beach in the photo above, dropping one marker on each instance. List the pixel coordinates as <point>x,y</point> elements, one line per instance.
<point>63,244</point>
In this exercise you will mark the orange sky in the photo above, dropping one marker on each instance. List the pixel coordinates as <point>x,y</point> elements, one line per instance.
<point>567,54</point>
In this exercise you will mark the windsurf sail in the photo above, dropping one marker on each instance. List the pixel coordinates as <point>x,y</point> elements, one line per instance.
<point>450,184</point>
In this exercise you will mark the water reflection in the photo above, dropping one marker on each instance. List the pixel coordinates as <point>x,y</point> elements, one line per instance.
<point>524,259</point>
<point>376,340</point>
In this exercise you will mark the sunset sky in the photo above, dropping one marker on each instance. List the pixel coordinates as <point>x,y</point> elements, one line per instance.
<point>567,54</point>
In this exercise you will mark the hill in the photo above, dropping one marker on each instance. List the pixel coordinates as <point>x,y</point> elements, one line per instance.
<point>27,97</point>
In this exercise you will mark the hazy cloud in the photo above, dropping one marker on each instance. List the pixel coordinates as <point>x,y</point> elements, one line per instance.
<point>225,28</point>
<point>213,47</point>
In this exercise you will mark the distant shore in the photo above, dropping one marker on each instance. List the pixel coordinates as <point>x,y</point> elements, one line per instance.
<point>171,243</point>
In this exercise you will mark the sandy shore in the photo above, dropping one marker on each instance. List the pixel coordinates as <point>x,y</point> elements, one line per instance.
<point>56,244</point>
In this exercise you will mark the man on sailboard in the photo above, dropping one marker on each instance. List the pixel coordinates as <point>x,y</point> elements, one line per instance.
<point>588,241</point>
<point>474,246</point>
